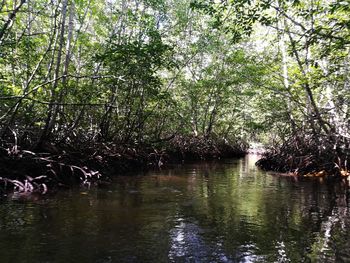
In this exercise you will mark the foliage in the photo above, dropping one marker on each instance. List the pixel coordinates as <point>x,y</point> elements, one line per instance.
<point>139,72</point>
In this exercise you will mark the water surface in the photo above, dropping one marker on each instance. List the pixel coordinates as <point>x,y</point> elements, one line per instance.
<point>227,211</point>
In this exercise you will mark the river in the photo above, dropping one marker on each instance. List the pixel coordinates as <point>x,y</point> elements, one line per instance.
<point>226,211</point>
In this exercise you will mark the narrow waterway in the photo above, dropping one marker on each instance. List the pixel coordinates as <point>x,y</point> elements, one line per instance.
<point>227,211</point>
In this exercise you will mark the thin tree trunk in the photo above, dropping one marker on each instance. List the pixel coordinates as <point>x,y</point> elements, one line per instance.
<point>310,97</point>
<point>282,41</point>
<point>52,110</point>
<point>9,21</point>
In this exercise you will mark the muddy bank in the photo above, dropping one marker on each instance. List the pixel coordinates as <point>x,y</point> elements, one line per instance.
<point>54,166</point>
<point>308,157</point>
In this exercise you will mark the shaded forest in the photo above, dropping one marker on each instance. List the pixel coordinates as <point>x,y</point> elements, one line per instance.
<point>89,88</point>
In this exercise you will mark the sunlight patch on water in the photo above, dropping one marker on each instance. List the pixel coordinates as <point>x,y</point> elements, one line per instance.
<point>188,245</point>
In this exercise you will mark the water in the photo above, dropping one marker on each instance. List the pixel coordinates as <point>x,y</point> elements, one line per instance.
<point>208,212</point>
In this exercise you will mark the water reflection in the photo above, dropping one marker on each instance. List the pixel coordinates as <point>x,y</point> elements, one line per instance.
<point>226,211</point>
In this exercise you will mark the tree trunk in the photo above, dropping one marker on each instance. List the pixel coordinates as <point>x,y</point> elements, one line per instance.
<point>53,107</point>
<point>10,20</point>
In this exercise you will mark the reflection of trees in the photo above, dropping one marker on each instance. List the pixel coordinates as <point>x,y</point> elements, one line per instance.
<point>210,212</point>
<point>332,243</point>
<point>254,214</point>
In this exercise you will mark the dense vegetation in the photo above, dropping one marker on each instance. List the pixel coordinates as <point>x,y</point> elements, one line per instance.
<point>88,80</point>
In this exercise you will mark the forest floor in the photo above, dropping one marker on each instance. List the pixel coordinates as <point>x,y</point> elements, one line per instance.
<point>57,166</point>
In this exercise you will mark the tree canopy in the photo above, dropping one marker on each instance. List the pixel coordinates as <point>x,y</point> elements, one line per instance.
<point>143,70</point>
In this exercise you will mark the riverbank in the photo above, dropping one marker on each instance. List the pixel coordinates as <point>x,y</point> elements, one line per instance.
<point>307,157</point>
<point>55,166</point>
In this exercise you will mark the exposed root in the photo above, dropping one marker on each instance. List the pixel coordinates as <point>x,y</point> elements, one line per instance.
<point>201,148</point>
<point>309,157</point>
<point>26,171</point>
